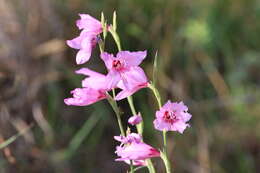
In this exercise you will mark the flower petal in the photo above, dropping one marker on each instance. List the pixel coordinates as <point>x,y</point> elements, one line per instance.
<point>132,58</point>
<point>89,72</point>
<point>75,43</point>
<point>133,77</point>
<point>83,56</point>
<point>89,23</point>
<point>108,59</point>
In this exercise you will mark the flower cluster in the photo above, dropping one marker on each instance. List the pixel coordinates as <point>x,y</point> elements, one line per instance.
<point>123,70</point>
<point>124,73</point>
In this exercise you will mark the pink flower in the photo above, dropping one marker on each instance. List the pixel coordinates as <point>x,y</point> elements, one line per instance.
<point>136,119</point>
<point>94,89</point>
<point>87,39</point>
<point>132,148</point>
<point>124,72</point>
<point>85,96</point>
<point>172,116</point>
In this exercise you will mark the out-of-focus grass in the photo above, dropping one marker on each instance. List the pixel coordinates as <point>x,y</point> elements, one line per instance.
<point>208,56</point>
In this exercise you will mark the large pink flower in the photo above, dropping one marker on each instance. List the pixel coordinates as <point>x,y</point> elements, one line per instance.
<point>94,89</point>
<point>87,39</point>
<point>172,116</point>
<point>124,72</point>
<point>132,148</point>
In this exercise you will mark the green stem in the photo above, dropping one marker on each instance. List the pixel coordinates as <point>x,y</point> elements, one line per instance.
<point>150,166</point>
<point>116,38</point>
<point>116,110</point>
<point>114,93</point>
<point>156,94</point>
<point>132,107</point>
<point>164,153</point>
<point>130,101</point>
<point>131,104</point>
<point>165,157</point>
<point>165,140</point>
<point>131,167</point>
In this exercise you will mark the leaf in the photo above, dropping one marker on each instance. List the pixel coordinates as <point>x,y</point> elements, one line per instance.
<point>114,21</point>
<point>155,68</point>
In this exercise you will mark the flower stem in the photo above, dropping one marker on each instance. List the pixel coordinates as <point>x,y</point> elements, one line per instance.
<point>166,160</point>
<point>115,107</point>
<point>116,38</point>
<point>132,107</point>
<point>156,94</point>
<point>164,152</point>
<point>131,167</point>
<point>150,166</point>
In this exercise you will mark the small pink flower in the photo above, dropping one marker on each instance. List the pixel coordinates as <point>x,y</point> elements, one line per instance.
<point>124,72</point>
<point>85,96</point>
<point>172,116</point>
<point>132,148</point>
<point>136,119</point>
<point>87,39</point>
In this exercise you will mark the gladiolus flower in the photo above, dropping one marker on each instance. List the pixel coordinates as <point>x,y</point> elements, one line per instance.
<point>85,96</point>
<point>132,148</point>
<point>124,72</point>
<point>172,116</point>
<point>87,39</point>
<point>136,119</point>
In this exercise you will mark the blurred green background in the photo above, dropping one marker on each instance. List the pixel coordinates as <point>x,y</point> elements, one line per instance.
<point>208,56</point>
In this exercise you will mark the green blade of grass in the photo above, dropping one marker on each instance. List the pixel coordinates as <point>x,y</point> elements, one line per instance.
<point>13,138</point>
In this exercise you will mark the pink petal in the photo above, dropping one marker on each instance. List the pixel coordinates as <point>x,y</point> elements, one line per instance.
<point>75,43</point>
<point>185,116</point>
<point>119,138</point>
<point>161,125</point>
<point>133,77</point>
<point>108,59</point>
<point>83,56</point>
<point>123,94</point>
<point>94,80</point>
<point>132,58</point>
<point>89,23</point>
<point>88,72</point>
<point>139,151</point>
<point>179,126</point>
<point>112,79</point>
